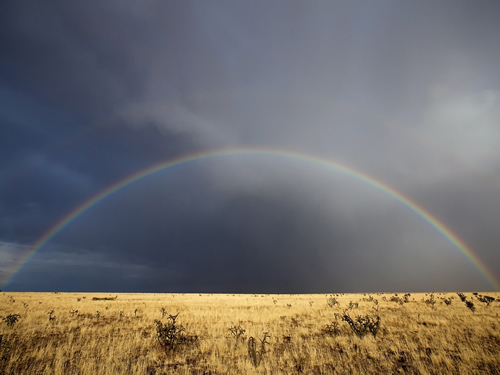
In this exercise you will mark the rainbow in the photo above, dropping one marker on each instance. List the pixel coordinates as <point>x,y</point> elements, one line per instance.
<point>428,217</point>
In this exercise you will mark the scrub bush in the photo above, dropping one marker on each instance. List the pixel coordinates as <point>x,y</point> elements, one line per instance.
<point>253,352</point>
<point>171,336</point>
<point>362,325</point>
<point>11,319</point>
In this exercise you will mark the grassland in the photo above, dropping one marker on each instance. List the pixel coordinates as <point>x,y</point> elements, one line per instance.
<point>117,334</point>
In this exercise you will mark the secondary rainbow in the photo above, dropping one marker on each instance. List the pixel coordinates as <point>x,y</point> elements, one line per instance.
<point>428,217</point>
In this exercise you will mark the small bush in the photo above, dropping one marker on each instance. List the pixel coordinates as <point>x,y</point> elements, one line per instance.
<point>332,301</point>
<point>171,335</point>
<point>11,319</point>
<point>332,329</point>
<point>353,305</point>
<point>237,332</point>
<point>485,299</point>
<point>369,299</point>
<point>430,301</point>
<point>396,299</point>
<point>163,312</point>
<point>469,304</point>
<point>253,352</point>
<point>362,325</point>
<point>52,317</point>
<point>104,298</point>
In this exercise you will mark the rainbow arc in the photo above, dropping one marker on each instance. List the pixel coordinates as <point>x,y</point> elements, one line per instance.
<point>360,176</point>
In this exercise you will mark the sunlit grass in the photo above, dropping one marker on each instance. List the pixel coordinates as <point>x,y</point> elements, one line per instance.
<point>92,333</point>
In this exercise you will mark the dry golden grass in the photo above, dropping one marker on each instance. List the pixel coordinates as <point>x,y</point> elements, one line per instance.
<point>414,337</point>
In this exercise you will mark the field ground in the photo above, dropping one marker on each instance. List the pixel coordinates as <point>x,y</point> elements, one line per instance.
<point>307,334</point>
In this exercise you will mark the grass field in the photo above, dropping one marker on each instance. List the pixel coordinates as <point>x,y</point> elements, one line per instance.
<point>418,333</point>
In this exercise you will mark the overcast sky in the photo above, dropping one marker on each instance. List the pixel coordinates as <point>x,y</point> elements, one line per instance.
<point>407,92</point>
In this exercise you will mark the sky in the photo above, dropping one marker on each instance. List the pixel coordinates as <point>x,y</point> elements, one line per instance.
<point>399,94</point>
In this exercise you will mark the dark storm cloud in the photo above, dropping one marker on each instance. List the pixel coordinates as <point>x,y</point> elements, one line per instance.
<point>94,92</point>
<point>210,239</point>
<point>44,186</point>
<point>72,55</point>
